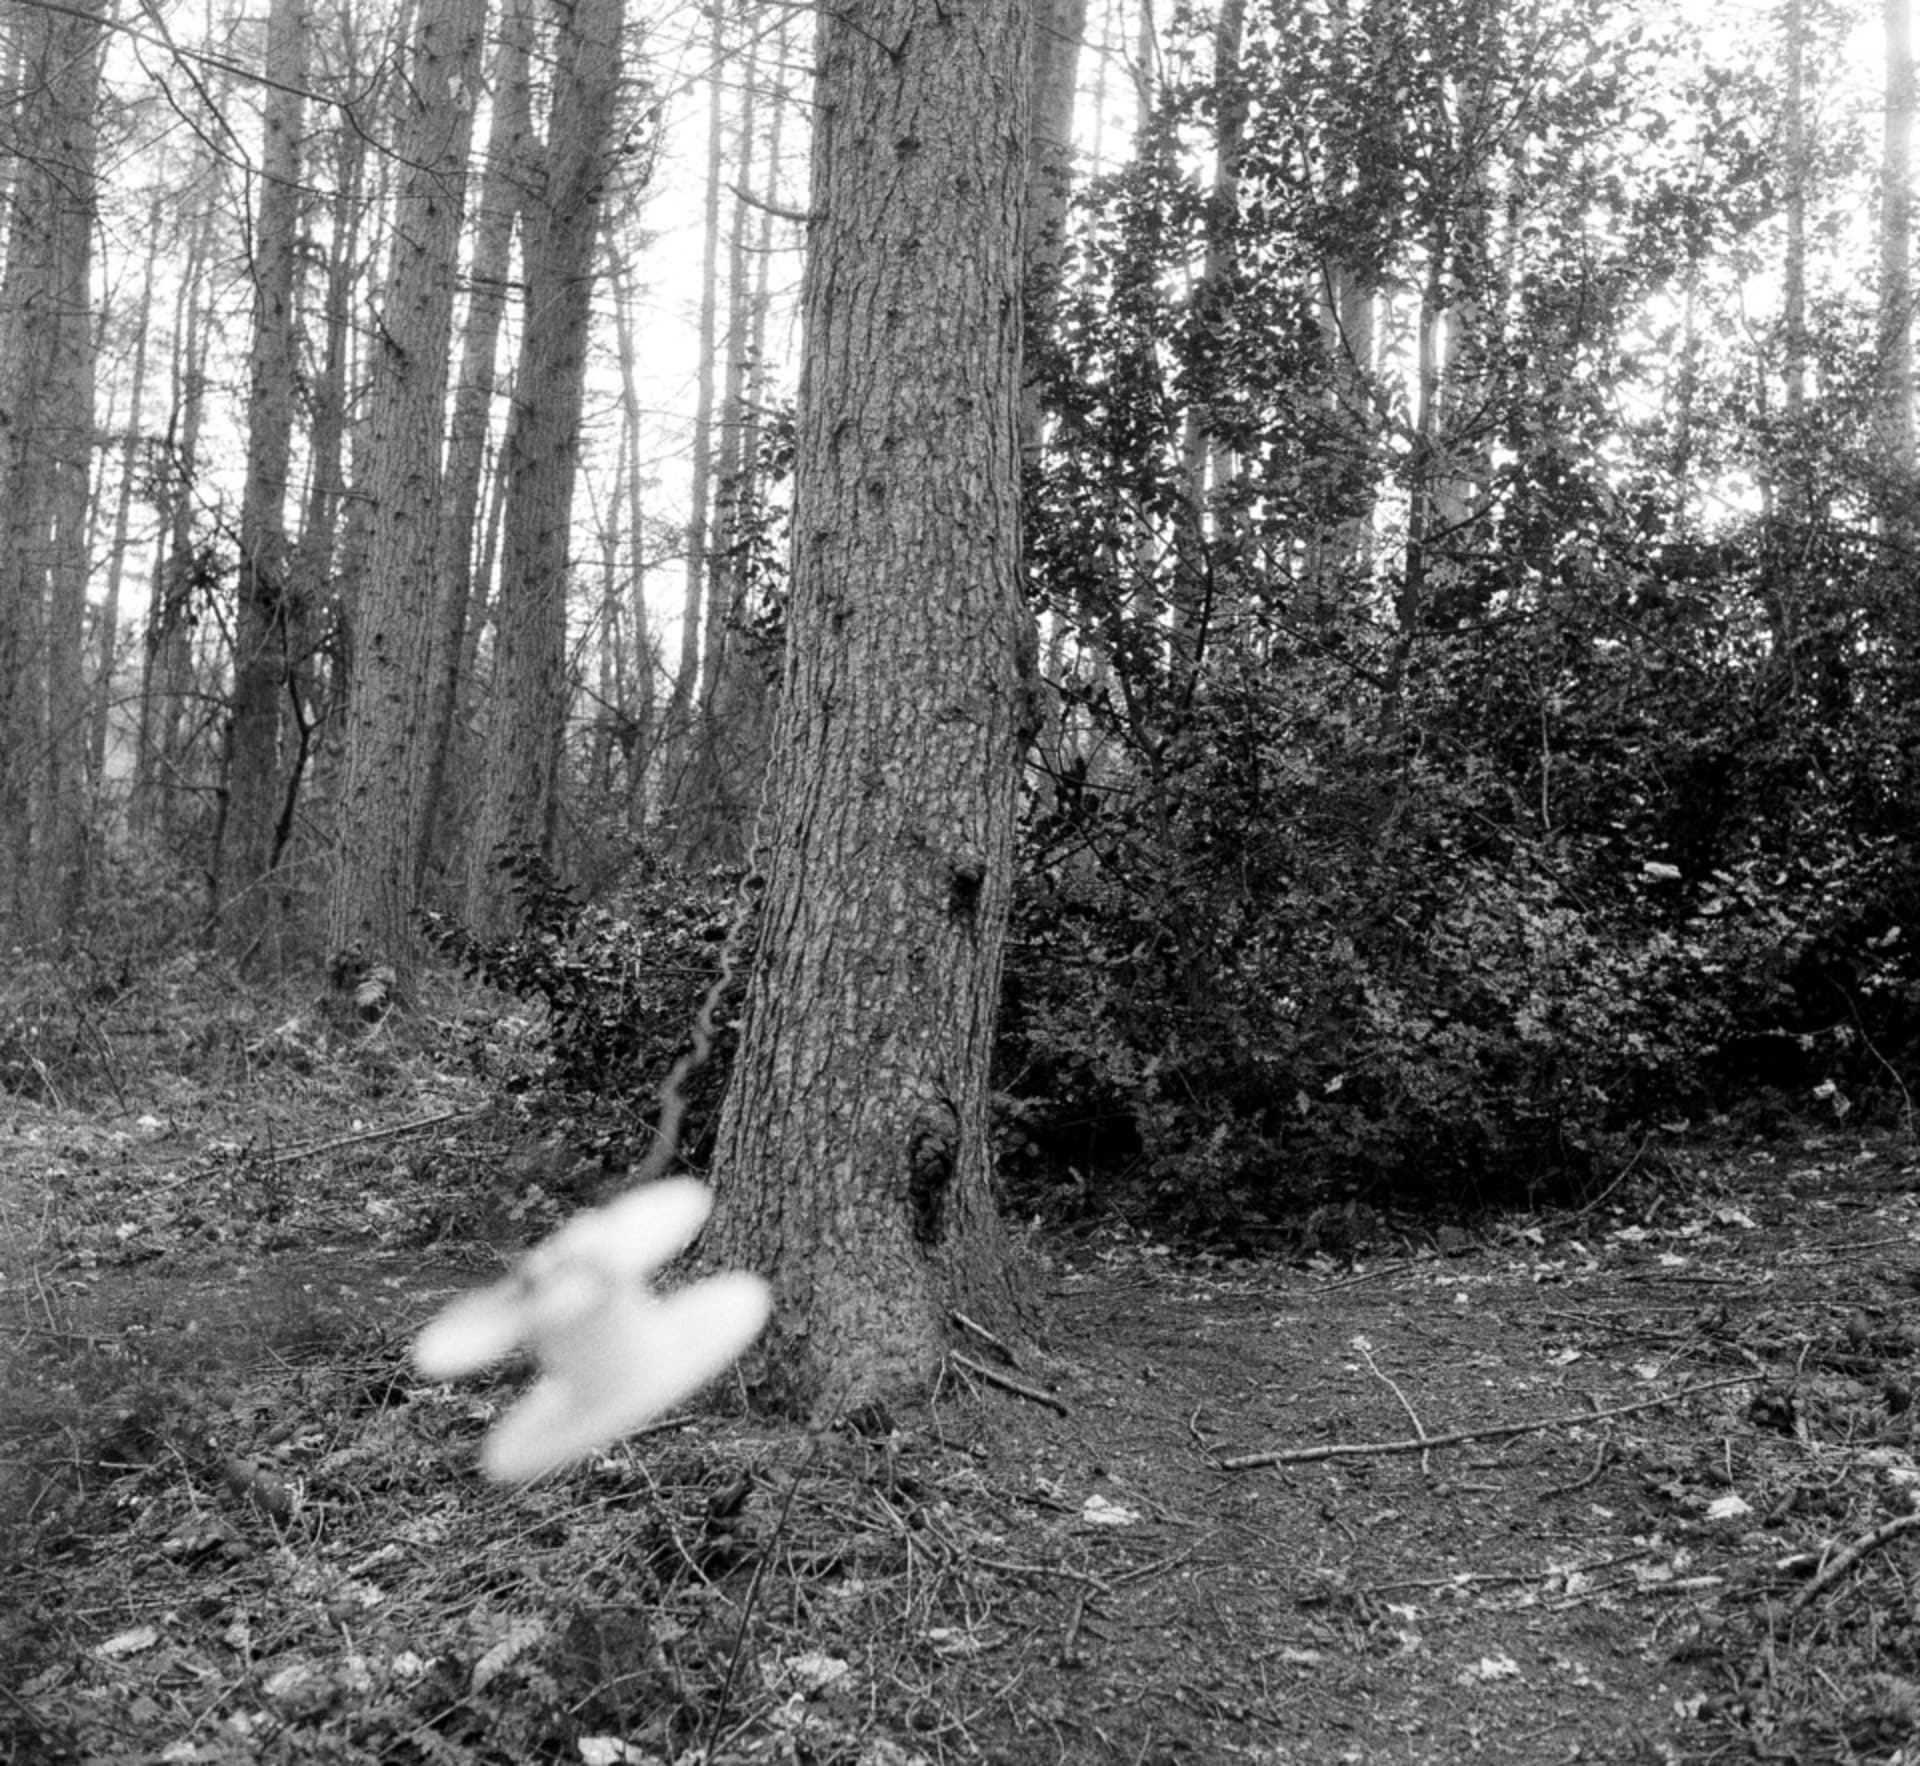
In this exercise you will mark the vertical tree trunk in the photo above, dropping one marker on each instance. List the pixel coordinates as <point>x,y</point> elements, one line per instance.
<point>1793,269</point>
<point>528,706</point>
<point>372,899</point>
<point>63,849</point>
<point>166,663</point>
<point>46,443</point>
<point>242,869</point>
<point>853,1163</point>
<point>693,622</point>
<point>315,603</point>
<point>730,732</point>
<point>107,664</point>
<point>1054,69</point>
<point>1895,352</point>
<point>640,685</point>
<point>497,205</point>
<point>1211,316</point>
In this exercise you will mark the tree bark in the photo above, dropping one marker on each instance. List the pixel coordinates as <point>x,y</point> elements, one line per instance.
<point>166,663</point>
<point>109,655</point>
<point>373,894</point>
<point>560,223</point>
<point>695,619</point>
<point>1895,353</point>
<point>853,1159</point>
<point>1054,68</point>
<point>242,871</point>
<point>46,446</point>
<point>495,210</point>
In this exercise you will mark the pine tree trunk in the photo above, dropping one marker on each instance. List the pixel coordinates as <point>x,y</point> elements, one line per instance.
<point>528,705</point>
<point>495,209</point>
<point>640,658</point>
<point>109,655</point>
<point>1895,353</point>
<point>46,443</point>
<point>243,867</point>
<point>694,612</point>
<point>368,920</point>
<point>166,662</point>
<point>853,1160</point>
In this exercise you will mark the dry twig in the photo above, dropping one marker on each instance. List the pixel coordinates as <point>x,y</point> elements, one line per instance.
<point>1018,1388</point>
<point>392,1132</point>
<point>986,1336</point>
<point>1413,1416</point>
<point>1288,1456</point>
<point>1841,1562</point>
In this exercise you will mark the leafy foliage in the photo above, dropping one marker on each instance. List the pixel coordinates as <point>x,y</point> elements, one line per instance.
<point>620,983</point>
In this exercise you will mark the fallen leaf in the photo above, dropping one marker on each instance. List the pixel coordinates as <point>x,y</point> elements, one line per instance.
<point>127,1643</point>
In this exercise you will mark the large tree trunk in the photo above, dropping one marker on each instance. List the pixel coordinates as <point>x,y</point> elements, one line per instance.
<point>373,892</point>
<point>528,705</point>
<point>853,1162</point>
<point>260,626</point>
<point>46,442</point>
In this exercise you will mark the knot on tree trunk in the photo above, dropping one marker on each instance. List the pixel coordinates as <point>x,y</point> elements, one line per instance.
<point>933,1147</point>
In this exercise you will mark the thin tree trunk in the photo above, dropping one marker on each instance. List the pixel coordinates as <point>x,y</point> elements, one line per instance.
<point>1895,353</point>
<point>1211,312</point>
<point>528,706</point>
<point>167,660</point>
<point>242,871</point>
<point>108,664</point>
<point>638,690</point>
<point>681,707</point>
<point>495,209</point>
<point>1058,28</point>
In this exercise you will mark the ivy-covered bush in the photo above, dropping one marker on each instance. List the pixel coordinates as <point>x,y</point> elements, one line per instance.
<point>620,981</point>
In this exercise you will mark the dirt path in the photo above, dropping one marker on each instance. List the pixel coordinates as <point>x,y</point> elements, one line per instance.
<point>993,1580</point>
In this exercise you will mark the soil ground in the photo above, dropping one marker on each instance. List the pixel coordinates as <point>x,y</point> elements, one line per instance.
<point>1630,1483</point>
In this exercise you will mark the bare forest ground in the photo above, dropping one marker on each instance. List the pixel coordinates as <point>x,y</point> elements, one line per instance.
<point>1636,1482</point>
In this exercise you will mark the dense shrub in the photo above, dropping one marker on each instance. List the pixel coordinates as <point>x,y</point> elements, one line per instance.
<point>1303,952</point>
<point>620,981</point>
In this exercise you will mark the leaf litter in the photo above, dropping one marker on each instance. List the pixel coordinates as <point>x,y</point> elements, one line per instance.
<point>1638,1484</point>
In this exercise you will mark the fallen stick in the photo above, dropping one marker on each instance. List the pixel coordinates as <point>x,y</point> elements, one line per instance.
<point>1290,1456</point>
<point>1019,1389</point>
<point>1841,1562</point>
<point>390,1132</point>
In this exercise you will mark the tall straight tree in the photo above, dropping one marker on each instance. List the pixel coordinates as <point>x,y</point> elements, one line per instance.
<point>495,210</point>
<point>528,705</point>
<point>853,1164</point>
<point>46,441</point>
<point>260,623</point>
<point>1894,358</point>
<point>374,882</point>
<point>694,616</point>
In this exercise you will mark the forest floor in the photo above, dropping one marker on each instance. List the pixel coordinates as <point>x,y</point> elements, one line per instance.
<point>1632,1483</point>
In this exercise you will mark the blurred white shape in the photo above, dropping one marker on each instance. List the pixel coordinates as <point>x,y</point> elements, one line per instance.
<point>613,1354</point>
